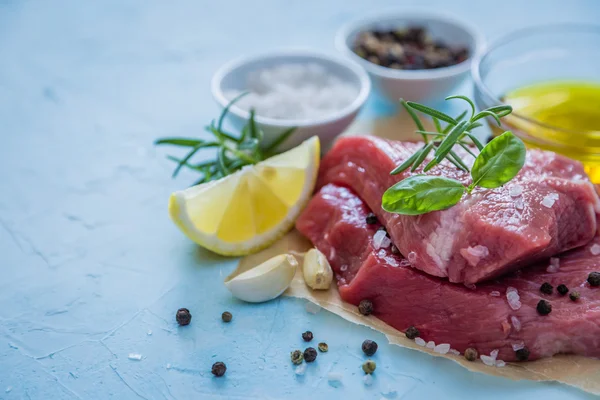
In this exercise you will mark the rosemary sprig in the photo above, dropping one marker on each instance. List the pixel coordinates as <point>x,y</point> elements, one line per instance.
<point>232,152</point>
<point>456,132</point>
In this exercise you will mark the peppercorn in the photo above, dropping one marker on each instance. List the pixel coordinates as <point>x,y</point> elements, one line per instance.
<point>218,369</point>
<point>371,219</point>
<point>522,354</point>
<point>594,279</point>
<point>562,289</point>
<point>297,356</point>
<point>546,288</point>
<point>323,348</point>
<point>183,316</point>
<point>395,250</point>
<point>307,336</point>
<point>471,354</point>
<point>369,347</point>
<point>365,307</point>
<point>412,332</point>
<point>226,316</point>
<point>369,366</point>
<point>574,295</point>
<point>310,354</point>
<point>544,307</point>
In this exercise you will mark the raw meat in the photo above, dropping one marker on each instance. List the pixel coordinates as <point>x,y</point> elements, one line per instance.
<point>451,313</point>
<point>488,233</point>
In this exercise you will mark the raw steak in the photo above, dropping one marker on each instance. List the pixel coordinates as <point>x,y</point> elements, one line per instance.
<point>449,313</point>
<point>547,209</point>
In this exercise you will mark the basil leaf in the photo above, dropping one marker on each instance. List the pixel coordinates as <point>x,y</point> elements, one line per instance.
<point>421,194</point>
<point>499,161</point>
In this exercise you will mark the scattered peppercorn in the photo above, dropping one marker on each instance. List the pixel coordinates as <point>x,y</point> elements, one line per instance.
<point>310,354</point>
<point>574,295</point>
<point>522,354</point>
<point>594,279</point>
<point>218,369</point>
<point>471,354</point>
<point>323,348</point>
<point>562,289</point>
<point>183,316</point>
<point>226,316</point>
<point>297,356</point>
<point>412,333</point>
<point>369,366</point>
<point>544,307</point>
<point>395,250</point>
<point>369,347</point>
<point>365,307</point>
<point>546,288</point>
<point>307,336</point>
<point>371,219</point>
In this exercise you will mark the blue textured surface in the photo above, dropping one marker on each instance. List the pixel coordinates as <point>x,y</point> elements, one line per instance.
<point>90,263</point>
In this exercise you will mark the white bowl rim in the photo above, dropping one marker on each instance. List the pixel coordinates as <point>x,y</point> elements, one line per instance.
<point>353,67</point>
<point>415,75</point>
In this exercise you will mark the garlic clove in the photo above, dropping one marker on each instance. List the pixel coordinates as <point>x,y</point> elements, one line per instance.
<point>317,271</point>
<point>264,282</point>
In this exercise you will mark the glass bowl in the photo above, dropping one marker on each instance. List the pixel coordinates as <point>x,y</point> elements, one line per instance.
<point>565,52</point>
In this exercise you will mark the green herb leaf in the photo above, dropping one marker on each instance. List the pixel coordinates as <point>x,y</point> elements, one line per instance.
<point>483,114</point>
<point>222,161</point>
<point>226,110</point>
<point>499,161</point>
<point>431,112</point>
<point>465,98</point>
<point>279,140</point>
<point>414,117</point>
<point>452,156</point>
<point>438,127</point>
<point>500,111</point>
<point>422,156</point>
<point>475,140</point>
<point>420,194</point>
<point>404,166</point>
<point>450,140</point>
<point>179,142</point>
<point>460,117</point>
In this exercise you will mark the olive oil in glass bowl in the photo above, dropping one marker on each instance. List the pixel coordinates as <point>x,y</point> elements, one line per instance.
<point>551,77</point>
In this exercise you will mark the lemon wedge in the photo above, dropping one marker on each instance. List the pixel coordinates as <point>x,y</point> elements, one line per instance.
<point>250,209</point>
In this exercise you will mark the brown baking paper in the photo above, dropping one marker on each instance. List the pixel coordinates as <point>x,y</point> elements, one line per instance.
<point>580,372</point>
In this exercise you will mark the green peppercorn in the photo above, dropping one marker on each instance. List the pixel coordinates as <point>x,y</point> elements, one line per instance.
<point>594,279</point>
<point>323,348</point>
<point>371,219</point>
<point>365,307</point>
<point>226,316</point>
<point>562,289</point>
<point>471,354</point>
<point>544,307</point>
<point>183,316</point>
<point>310,354</point>
<point>218,369</point>
<point>546,288</point>
<point>412,333</point>
<point>369,366</point>
<point>522,354</point>
<point>574,295</point>
<point>297,356</point>
<point>307,336</point>
<point>369,347</point>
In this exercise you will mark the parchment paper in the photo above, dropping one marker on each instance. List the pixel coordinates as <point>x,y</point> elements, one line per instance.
<point>577,371</point>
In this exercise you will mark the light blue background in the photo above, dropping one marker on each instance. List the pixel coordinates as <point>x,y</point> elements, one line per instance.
<point>89,259</point>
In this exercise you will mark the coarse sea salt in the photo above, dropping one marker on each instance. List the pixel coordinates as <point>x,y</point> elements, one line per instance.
<point>518,346</point>
<point>549,200</point>
<point>495,293</point>
<point>494,353</point>
<point>512,296</point>
<point>312,308</point>
<point>300,369</point>
<point>519,204</point>
<point>135,356</point>
<point>595,249</point>
<point>515,190</point>
<point>297,91</point>
<point>487,360</point>
<point>412,257</point>
<point>500,363</point>
<point>335,378</point>
<point>420,342</point>
<point>442,348</point>
<point>368,379</point>
<point>454,351</point>
<point>516,323</point>
<point>380,240</point>
<point>430,344</point>
<point>554,265</point>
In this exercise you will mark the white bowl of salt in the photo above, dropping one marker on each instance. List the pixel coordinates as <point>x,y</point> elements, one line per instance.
<point>317,94</point>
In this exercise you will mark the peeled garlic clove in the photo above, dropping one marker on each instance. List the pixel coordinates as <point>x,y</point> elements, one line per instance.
<point>264,282</point>
<point>317,271</point>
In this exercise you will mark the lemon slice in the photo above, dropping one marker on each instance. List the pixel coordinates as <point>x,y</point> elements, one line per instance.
<point>247,211</point>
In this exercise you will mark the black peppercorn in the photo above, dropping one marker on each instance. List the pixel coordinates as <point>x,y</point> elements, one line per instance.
<point>307,336</point>
<point>226,316</point>
<point>323,348</point>
<point>218,369</point>
<point>395,250</point>
<point>471,354</point>
<point>546,288</point>
<point>522,354</point>
<point>562,289</point>
<point>365,307</point>
<point>574,295</point>
<point>371,219</point>
<point>183,316</point>
<point>369,347</point>
<point>310,354</point>
<point>594,279</point>
<point>544,307</point>
<point>412,332</point>
<point>297,356</point>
